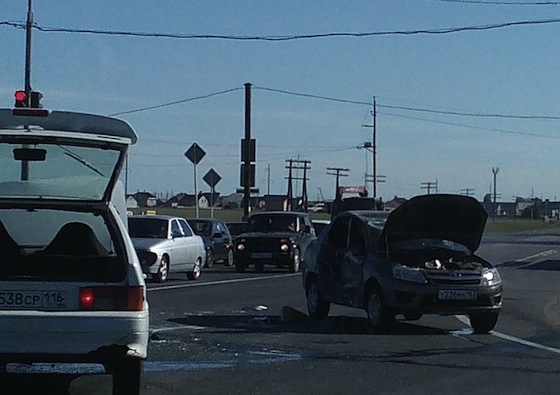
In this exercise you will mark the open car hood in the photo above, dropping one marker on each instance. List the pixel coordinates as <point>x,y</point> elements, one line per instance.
<point>450,217</point>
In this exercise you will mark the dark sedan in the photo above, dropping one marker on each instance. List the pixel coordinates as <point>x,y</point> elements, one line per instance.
<point>419,259</point>
<point>217,239</point>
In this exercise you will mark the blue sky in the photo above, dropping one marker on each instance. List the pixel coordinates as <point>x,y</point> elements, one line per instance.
<point>512,70</point>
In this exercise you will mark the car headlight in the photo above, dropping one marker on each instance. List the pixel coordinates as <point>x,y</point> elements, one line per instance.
<point>284,247</point>
<point>491,277</point>
<point>240,247</point>
<point>405,273</point>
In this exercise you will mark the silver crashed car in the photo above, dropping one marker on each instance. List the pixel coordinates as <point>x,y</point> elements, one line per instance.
<point>71,286</point>
<point>166,244</point>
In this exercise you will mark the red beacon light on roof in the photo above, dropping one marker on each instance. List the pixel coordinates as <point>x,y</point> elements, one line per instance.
<point>21,99</point>
<point>29,105</point>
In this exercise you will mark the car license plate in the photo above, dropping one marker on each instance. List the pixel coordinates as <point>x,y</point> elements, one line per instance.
<point>261,255</point>
<point>32,300</point>
<point>457,294</point>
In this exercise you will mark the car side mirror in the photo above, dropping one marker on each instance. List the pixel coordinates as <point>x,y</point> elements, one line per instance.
<point>306,229</point>
<point>217,235</point>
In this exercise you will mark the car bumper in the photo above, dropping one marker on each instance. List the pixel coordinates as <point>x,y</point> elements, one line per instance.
<point>402,296</point>
<point>68,336</point>
<point>279,259</point>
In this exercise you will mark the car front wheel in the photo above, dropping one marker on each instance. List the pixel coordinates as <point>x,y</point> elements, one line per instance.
<point>163,270</point>
<point>483,322</point>
<point>317,307</point>
<point>378,314</point>
<point>126,377</point>
<point>229,260</point>
<point>195,273</point>
<point>209,258</point>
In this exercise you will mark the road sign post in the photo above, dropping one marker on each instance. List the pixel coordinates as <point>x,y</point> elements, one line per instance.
<point>195,154</point>
<point>211,178</point>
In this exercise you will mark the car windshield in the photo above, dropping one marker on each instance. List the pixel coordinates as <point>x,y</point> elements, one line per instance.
<point>201,228</point>
<point>148,227</point>
<point>59,172</point>
<point>273,223</point>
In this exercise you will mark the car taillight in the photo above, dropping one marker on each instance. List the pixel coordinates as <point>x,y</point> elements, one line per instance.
<point>112,298</point>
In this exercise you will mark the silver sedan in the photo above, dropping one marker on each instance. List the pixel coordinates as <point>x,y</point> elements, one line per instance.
<point>166,244</point>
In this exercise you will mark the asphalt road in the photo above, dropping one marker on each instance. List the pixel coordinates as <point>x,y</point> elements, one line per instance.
<point>233,333</point>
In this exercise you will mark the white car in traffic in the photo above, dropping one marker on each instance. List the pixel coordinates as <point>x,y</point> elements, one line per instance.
<point>71,286</point>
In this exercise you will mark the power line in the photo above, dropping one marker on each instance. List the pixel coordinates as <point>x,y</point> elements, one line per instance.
<point>472,127</point>
<point>187,36</point>
<point>486,2</point>
<point>414,109</point>
<point>176,102</point>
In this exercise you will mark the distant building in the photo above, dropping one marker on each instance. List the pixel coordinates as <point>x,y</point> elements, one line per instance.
<point>395,202</point>
<point>145,199</point>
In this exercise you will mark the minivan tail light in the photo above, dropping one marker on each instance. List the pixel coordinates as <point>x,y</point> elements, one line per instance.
<point>112,298</point>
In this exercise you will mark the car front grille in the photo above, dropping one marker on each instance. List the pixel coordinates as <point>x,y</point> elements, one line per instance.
<point>454,278</point>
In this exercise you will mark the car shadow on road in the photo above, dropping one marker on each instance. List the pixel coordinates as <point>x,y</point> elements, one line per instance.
<point>299,322</point>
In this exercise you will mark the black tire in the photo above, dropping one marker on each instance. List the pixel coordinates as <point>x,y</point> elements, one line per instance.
<point>209,258</point>
<point>412,315</point>
<point>259,267</point>
<point>317,307</point>
<point>240,267</point>
<point>379,315</point>
<point>296,260</point>
<point>483,322</point>
<point>127,376</point>
<point>163,270</point>
<point>195,273</point>
<point>229,260</point>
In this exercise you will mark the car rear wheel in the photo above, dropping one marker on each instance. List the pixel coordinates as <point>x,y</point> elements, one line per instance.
<point>195,273</point>
<point>483,322</point>
<point>294,264</point>
<point>209,258</point>
<point>126,377</point>
<point>163,270</point>
<point>378,314</point>
<point>229,260</point>
<point>317,307</point>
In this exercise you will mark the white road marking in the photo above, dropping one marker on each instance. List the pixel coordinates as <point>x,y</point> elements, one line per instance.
<point>513,339</point>
<point>220,282</point>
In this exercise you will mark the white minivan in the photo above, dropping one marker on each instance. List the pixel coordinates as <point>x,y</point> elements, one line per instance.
<point>71,286</point>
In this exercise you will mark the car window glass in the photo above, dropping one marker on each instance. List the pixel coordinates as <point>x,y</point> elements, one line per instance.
<point>357,243</point>
<point>175,229</point>
<point>339,232</point>
<point>186,230</point>
<point>147,227</point>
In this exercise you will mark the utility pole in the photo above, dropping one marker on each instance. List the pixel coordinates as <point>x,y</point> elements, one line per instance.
<point>373,146</point>
<point>268,180</point>
<point>429,185</point>
<point>247,156</point>
<point>298,165</point>
<point>495,171</point>
<point>467,191</point>
<point>338,172</point>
